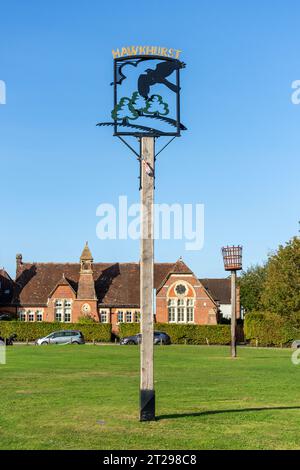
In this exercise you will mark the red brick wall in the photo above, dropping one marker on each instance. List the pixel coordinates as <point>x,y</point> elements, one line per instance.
<point>204,311</point>
<point>205,308</point>
<point>77,312</point>
<point>61,292</point>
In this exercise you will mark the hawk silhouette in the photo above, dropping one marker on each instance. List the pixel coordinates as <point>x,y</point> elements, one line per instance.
<point>158,75</point>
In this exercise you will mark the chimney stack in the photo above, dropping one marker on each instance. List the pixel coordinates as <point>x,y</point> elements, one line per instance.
<point>86,284</point>
<point>19,261</point>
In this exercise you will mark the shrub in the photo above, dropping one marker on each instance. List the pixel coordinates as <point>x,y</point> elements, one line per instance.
<point>196,334</point>
<point>83,319</point>
<point>31,331</point>
<point>187,334</point>
<point>269,329</point>
<point>128,329</point>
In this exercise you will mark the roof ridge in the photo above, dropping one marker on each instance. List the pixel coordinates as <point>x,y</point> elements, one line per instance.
<point>98,262</point>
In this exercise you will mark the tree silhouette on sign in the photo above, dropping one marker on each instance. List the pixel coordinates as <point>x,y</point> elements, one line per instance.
<point>139,103</point>
<point>156,105</point>
<point>124,110</point>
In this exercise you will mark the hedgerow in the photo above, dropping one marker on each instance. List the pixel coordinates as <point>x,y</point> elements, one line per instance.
<point>187,334</point>
<point>32,330</point>
<point>269,329</point>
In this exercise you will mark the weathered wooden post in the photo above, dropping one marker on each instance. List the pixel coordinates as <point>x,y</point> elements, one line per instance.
<point>146,115</point>
<point>233,313</point>
<point>232,257</point>
<point>147,394</point>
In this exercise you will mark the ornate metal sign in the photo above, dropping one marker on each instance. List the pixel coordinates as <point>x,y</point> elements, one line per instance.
<point>146,92</point>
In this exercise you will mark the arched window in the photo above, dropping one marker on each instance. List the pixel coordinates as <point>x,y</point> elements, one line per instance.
<point>181,305</point>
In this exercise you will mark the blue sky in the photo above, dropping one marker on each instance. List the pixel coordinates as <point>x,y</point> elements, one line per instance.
<point>239,157</point>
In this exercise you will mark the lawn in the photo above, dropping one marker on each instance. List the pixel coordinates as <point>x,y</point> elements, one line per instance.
<point>86,397</point>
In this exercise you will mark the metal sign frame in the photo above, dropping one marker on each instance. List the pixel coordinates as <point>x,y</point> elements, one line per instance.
<point>123,128</point>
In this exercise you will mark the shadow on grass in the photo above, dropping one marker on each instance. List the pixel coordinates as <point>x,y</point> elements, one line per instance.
<point>217,412</point>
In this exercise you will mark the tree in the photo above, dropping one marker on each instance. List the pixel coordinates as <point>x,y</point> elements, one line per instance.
<point>124,110</point>
<point>156,105</point>
<point>138,102</point>
<point>86,319</point>
<point>251,285</point>
<point>281,293</point>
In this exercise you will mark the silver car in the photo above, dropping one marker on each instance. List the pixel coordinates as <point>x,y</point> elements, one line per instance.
<point>62,337</point>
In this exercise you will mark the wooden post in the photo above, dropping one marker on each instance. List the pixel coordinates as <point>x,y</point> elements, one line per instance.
<point>147,394</point>
<point>233,314</point>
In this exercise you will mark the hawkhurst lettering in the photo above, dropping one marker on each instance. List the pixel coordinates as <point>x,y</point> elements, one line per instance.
<point>146,50</point>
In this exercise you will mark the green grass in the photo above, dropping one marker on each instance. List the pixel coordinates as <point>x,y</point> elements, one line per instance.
<point>86,397</point>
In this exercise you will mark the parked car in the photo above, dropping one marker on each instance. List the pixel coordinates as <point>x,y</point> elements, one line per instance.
<point>158,338</point>
<point>62,337</point>
<point>5,317</point>
<point>296,344</point>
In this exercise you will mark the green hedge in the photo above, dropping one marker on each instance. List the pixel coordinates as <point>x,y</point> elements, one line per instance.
<point>269,329</point>
<point>187,334</point>
<point>128,329</point>
<point>31,331</point>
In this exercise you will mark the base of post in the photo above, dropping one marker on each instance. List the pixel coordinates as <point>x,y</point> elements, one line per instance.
<point>147,405</point>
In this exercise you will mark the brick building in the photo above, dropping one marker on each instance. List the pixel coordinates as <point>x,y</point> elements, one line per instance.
<point>107,292</point>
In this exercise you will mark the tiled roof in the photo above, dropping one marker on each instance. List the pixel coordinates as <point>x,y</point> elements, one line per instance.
<point>116,284</point>
<point>180,268</point>
<point>6,287</point>
<point>219,289</point>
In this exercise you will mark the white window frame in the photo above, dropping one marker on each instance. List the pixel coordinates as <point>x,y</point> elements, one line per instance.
<point>128,312</point>
<point>120,313</point>
<point>123,315</point>
<point>190,311</point>
<point>39,315</point>
<point>30,316</point>
<point>137,316</point>
<point>63,308</point>
<point>181,310</point>
<point>22,315</point>
<point>105,313</point>
<point>67,311</point>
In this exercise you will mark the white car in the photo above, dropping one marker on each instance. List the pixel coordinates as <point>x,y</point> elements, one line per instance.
<point>62,337</point>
